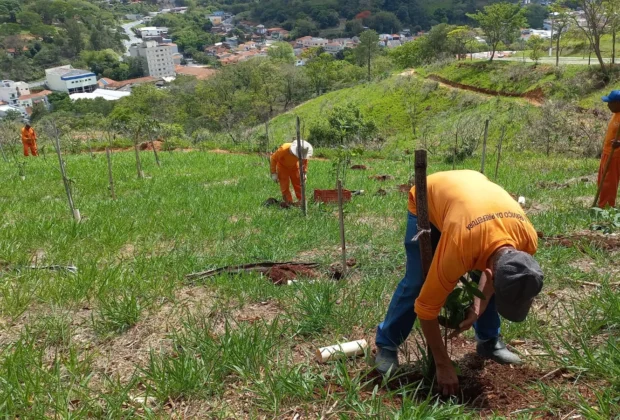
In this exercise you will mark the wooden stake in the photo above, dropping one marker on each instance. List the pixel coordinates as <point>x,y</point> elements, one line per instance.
<point>301,170</point>
<point>138,162</point>
<point>484,145</point>
<point>614,146</point>
<point>341,219</point>
<point>110,178</point>
<point>65,181</point>
<point>155,153</point>
<point>499,151</point>
<point>424,225</point>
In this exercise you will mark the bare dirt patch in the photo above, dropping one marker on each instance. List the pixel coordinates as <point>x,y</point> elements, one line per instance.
<point>282,273</point>
<point>378,222</point>
<point>607,242</point>
<point>588,266</point>
<point>359,167</point>
<point>381,177</point>
<point>555,185</point>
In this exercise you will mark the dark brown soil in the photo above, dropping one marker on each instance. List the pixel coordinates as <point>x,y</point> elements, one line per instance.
<point>404,188</point>
<point>274,202</point>
<point>554,185</point>
<point>383,177</point>
<point>148,146</point>
<point>281,274</point>
<point>381,192</point>
<point>359,167</point>
<point>578,239</point>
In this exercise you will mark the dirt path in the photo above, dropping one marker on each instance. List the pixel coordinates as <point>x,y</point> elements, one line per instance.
<point>534,97</point>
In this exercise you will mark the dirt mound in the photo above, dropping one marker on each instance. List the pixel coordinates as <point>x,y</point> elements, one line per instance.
<point>274,202</point>
<point>147,145</point>
<point>555,185</point>
<point>281,274</point>
<point>404,188</point>
<point>383,177</point>
<point>359,167</point>
<point>381,192</point>
<point>578,239</point>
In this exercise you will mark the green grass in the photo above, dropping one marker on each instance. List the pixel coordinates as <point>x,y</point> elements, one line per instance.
<point>128,336</point>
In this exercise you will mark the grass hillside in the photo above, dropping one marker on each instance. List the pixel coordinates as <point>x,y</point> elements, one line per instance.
<point>129,336</point>
<point>390,104</point>
<point>574,83</point>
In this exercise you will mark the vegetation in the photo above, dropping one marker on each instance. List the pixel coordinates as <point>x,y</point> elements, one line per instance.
<point>38,34</point>
<point>501,23</point>
<point>129,336</point>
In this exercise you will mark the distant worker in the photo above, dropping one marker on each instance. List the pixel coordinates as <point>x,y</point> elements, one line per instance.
<point>475,225</point>
<point>285,167</point>
<point>611,148</point>
<point>29,140</point>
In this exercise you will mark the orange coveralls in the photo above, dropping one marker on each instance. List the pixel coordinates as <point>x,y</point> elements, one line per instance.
<point>610,184</point>
<point>29,140</point>
<point>286,165</point>
<point>475,218</point>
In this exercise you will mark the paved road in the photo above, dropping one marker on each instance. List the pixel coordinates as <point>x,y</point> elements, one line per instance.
<point>133,39</point>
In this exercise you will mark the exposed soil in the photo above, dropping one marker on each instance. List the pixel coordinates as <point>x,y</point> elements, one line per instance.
<point>404,188</point>
<point>577,239</point>
<point>554,185</point>
<point>383,177</point>
<point>282,273</point>
<point>381,192</point>
<point>147,145</point>
<point>359,167</point>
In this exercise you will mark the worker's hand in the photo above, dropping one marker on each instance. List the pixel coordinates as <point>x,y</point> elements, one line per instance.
<point>274,177</point>
<point>305,177</point>
<point>470,317</point>
<point>447,381</point>
<point>615,144</point>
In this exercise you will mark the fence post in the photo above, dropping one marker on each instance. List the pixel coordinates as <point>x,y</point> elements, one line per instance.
<point>301,171</point>
<point>343,245</point>
<point>484,145</point>
<point>110,178</point>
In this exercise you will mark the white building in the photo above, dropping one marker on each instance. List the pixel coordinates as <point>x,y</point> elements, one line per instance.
<point>5,109</point>
<point>333,47</point>
<point>158,58</point>
<point>310,41</point>
<point>10,91</point>
<point>153,31</point>
<point>108,95</point>
<point>29,100</point>
<point>70,80</point>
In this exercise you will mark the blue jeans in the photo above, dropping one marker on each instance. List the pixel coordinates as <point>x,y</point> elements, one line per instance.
<point>401,315</point>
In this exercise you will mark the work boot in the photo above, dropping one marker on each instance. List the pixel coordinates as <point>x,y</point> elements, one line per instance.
<point>496,350</point>
<point>386,361</point>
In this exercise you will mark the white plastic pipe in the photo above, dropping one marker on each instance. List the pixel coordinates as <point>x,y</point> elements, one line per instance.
<point>76,215</point>
<point>521,200</point>
<point>338,351</point>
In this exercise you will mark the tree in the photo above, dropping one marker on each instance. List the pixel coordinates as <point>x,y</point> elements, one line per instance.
<point>281,52</point>
<point>612,8</point>
<point>536,15</point>
<point>536,46</point>
<point>560,20</point>
<point>383,22</point>
<point>461,38</point>
<point>317,70</point>
<point>354,27</point>
<point>367,48</point>
<point>500,23</point>
<point>594,24</point>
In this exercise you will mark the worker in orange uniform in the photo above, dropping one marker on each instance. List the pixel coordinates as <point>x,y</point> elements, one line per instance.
<point>475,225</point>
<point>611,147</point>
<point>29,140</point>
<point>285,167</point>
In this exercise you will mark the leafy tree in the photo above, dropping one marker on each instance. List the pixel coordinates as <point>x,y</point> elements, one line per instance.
<point>560,21</point>
<point>500,23</point>
<point>317,69</point>
<point>28,19</point>
<point>536,15</point>
<point>281,52</point>
<point>597,21</point>
<point>536,46</point>
<point>462,37</point>
<point>383,22</point>
<point>9,10</point>
<point>304,27</point>
<point>367,48</point>
<point>75,42</point>
<point>354,27</point>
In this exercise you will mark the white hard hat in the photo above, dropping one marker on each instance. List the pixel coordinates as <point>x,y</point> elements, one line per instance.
<point>306,149</point>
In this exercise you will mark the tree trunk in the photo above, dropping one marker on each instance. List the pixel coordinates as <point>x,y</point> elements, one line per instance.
<point>613,46</point>
<point>557,52</point>
<point>369,64</point>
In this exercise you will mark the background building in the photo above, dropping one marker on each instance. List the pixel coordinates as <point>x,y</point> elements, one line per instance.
<point>158,59</point>
<point>70,80</point>
<point>10,91</point>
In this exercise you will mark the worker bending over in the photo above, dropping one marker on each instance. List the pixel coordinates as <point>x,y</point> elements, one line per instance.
<point>285,167</point>
<point>611,147</point>
<point>475,225</point>
<point>29,140</point>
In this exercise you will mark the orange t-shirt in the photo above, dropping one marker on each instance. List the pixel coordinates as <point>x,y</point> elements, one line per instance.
<point>612,129</point>
<point>475,218</point>
<point>285,159</point>
<point>28,135</point>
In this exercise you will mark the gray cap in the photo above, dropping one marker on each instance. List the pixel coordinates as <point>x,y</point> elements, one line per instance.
<point>518,279</point>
